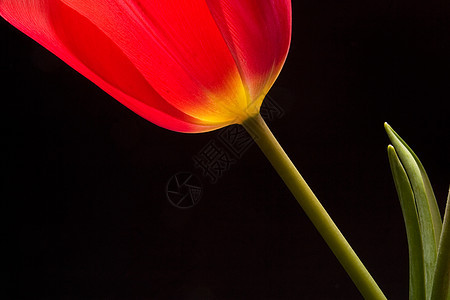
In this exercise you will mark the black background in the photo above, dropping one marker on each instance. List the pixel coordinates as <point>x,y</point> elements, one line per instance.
<point>84,203</point>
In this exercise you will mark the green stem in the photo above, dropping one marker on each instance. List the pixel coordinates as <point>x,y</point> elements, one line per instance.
<point>312,207</point>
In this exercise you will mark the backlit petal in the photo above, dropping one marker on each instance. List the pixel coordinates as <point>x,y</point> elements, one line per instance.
<point>178,48</point>
<point>84,47</point>
<point>258,33</point>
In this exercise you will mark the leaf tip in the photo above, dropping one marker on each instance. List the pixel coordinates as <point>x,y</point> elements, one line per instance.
<point>392,155</point>
<point>388,127</point>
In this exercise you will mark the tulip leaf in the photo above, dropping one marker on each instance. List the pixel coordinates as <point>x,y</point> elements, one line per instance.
<point>411,218</point>
<point>428,212</point>
<point>441,283</point>
<point>434,208</point>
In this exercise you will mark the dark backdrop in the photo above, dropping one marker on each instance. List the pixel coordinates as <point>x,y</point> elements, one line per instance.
<point>84,202</point>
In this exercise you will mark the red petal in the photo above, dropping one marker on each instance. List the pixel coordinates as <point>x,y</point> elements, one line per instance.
<point>258,33</point>
<point>178,48</point>
<point>84,47</point>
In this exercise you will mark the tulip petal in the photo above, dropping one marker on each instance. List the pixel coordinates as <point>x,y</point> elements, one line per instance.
<point>258,33</point>
<point>88,50</point>
<point>178,48</point>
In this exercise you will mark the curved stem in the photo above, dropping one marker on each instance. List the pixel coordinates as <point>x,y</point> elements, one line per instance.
<point>312,207</point>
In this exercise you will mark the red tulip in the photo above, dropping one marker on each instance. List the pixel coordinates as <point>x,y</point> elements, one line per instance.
<point>188,66</point>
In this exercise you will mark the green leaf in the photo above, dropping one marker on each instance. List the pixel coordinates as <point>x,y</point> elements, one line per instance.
<point>411,218</point>
<point>441,283</point>
<point>429,217</point>
<point>434,208</point>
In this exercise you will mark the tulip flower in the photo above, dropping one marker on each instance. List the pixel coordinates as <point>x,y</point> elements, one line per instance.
<point>188,66</point>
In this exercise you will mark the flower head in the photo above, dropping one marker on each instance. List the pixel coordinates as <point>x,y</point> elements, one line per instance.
<point>188,66</point>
